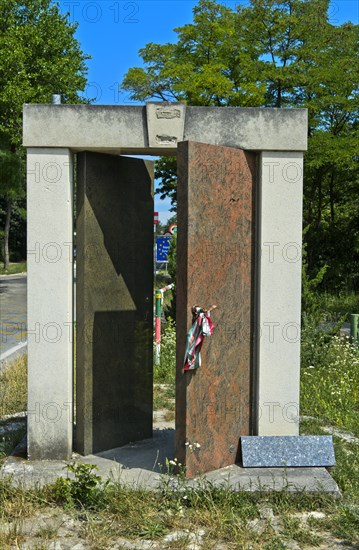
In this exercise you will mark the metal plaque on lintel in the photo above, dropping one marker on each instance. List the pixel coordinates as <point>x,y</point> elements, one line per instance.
<point>165,123</point>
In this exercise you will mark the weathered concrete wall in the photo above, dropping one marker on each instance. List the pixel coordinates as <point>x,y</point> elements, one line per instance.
<point>279,288</point>
<point>50,296</point>
<point>123,129</point>
<point>248,128</point>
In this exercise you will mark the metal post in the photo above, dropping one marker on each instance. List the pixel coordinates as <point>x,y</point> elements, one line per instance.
<point>354,327</point>
<point>56,99</point>
<point>158,314</point>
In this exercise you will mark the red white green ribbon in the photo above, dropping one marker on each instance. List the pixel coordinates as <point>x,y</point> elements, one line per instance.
<point>201,326</point>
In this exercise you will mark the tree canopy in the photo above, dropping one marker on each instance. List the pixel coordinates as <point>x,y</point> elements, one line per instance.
<point>39,56</point>
<point>276,53</point>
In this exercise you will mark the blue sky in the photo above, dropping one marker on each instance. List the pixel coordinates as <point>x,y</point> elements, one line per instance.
<point>112,32</point>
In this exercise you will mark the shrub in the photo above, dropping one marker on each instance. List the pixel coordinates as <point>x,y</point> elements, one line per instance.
<point>330,382</point>
<point>166,370</point>
<point>85,490</point>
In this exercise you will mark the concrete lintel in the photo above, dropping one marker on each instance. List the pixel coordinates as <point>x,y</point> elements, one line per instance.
<point>123,128</point>
<point>250,128</point>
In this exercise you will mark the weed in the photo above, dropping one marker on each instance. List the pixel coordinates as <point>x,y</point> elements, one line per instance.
<point>152,530</point>
<point>164,397</point>
<point>169,416</point>
<point>166,370</point>
<point>347,523</point>
<point>330,384</point>
<point>47,532</point>
<point>85,490</point>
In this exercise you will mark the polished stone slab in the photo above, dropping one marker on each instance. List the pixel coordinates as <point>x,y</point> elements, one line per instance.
<point>114,301</point>
<point>291,451</point>
<point>215,265</point>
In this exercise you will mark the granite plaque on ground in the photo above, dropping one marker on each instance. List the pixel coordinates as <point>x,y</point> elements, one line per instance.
<point>279,451</point>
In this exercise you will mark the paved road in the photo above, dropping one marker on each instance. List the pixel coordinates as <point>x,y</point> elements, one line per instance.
<point>13,295</point>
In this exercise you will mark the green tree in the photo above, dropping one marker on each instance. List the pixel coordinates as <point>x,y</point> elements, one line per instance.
<point>160,228</point>
<point>39,56</point>
<point>276,53</point>
<point>166,173</point>
<point>12,190</point>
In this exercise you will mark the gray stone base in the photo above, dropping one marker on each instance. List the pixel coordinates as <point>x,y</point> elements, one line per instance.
<point>277,451</point>
<point>137,465</point>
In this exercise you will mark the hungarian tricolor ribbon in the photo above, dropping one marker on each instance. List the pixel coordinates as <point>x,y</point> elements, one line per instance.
<point>201,326</point>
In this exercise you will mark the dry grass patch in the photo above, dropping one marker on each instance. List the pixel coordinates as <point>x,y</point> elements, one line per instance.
<point>13,387</point>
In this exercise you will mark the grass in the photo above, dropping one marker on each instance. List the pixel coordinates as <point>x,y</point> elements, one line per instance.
<point>164,397</point>
<point>13,399</point>
<point>218,515</point>
<point>105,513</point>
<point>330,381</point>
<point>14,268</point>
<point>335,307</point>
<point>164,373</point>
<point>13,387</point>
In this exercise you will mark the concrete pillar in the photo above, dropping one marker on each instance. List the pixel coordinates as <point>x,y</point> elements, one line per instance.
<point>279,292</point>
<point>50,302</point>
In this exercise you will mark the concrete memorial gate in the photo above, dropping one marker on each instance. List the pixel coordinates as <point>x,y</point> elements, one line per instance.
<point>239,246</point>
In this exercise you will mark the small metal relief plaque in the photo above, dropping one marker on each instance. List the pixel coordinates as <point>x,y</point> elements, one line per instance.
<point>163,112</point>
<point>166,140</point>
<point>165,123</point>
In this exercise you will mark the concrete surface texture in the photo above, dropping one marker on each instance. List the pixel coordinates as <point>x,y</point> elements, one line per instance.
<point>279,292</point>
<point>50,302</point>
<point>137,465</point>
<point>124,129</point>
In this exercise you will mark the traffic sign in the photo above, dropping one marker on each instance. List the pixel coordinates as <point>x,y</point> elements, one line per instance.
<point>162,246</point>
